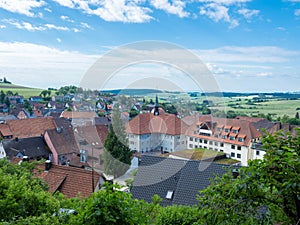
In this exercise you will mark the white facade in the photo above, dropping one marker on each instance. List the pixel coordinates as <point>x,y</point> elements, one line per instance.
<point>156,142</point>
<point>234,151</point>
<point>2,151</point>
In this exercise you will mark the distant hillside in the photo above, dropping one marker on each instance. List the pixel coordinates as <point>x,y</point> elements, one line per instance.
<point>21,90</point>
<point>132,91</point>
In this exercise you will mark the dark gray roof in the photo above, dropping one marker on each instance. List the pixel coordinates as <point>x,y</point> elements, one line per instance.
<point>157,175</point>
<point>34,148</point>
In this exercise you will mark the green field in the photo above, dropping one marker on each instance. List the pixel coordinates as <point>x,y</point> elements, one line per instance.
<point>25,91</point>
<point>241,105</point>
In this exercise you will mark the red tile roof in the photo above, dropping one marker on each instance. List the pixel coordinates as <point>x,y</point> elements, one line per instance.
<point>247,130</point>
<point>5,131</point>
<point>148,123</point>
<point>70,181</point>
<point>33,127</point>
<point>78,115</point>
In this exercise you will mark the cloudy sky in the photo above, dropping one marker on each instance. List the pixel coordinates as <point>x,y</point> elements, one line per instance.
<point>248,45</point>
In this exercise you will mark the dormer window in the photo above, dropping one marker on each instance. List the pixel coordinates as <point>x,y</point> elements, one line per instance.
<point>224,136</point>
<point>240,139</point>
<point>231,138</point>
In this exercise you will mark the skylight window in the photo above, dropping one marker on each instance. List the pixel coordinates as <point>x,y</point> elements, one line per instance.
<point>169,195</point>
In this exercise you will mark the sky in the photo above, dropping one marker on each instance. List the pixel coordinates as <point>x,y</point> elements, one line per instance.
<point>247,45</point>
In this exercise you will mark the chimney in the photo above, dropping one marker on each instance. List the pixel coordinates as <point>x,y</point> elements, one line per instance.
<point>48,165</point>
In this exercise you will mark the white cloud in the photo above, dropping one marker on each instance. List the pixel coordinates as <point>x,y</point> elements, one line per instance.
<point>218,13</point>
<point>225,2</point>
<point>42,66</point>
<point>297,12</point>
<point>30,27</point>
<point>66,18</point>
<point>256,54</point>
<point>47,9</point>
<point>176,7</point>
<point>248,13</point>
<point>24,25</point>
<point>112,10</point>
<point>281,28</point>
<point>58,40</point>
<point>21,6</point>
<point>85,25</point>
<point>2,26</point>
<point>54,27</point>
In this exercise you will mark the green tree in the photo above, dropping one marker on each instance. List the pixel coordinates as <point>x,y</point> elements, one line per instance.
<point>7,102</point>
<point>21,195</point>
<point>116,156</point>
<point>110,206</point>
<point>2,96</point>
<point>297,115</point>
<point>265,192</point>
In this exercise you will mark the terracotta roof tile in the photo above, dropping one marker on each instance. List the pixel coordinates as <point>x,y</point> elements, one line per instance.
<point>78,115</point>
<point>247,130</point>
<point>148,123</point>
<point>70,181</point>
<point>32,127</point>
<point>5,131</point>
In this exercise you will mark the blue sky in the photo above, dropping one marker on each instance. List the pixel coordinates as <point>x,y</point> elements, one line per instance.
<point>248,45</point>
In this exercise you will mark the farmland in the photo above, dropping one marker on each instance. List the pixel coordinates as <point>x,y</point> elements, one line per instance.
<point>25,91</point>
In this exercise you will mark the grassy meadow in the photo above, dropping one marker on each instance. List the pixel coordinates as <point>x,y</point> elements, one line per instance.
<point>25,91</point>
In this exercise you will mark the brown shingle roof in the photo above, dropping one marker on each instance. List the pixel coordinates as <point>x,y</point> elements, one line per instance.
<point>148,123</point>
<point>63,141</point>
<point>32,127</point>
<point>70,181</point>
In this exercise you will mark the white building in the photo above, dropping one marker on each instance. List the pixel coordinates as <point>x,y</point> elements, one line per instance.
<point>156,131</point>
<point>237,138</point>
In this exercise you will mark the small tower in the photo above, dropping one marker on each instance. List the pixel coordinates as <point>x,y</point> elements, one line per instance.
<point>156,110</point>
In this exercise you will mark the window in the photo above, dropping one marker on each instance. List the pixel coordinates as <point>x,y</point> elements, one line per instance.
<point>238,156</point>
<point>257,152</point>
<point>200,140</point>
<point>224,136</point>
<point>191,139</point>
<point>216,143</point>
<point>196,146</point>
<point>210,142</point>
<point>232,146</point>
<point>169,195</point>
<point>205,141</point>
<point>235,131</point>
<point>231,138</point>
<point>239,147</point>
<point>221,144</point>
<point>204,134</point>
<point>216,135</point>
<point>219,129</point>
<point>240,139</point>
<point>191,146</point>
<point>232,154</point>
<point>221,150</point>
<point>227,130</point>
